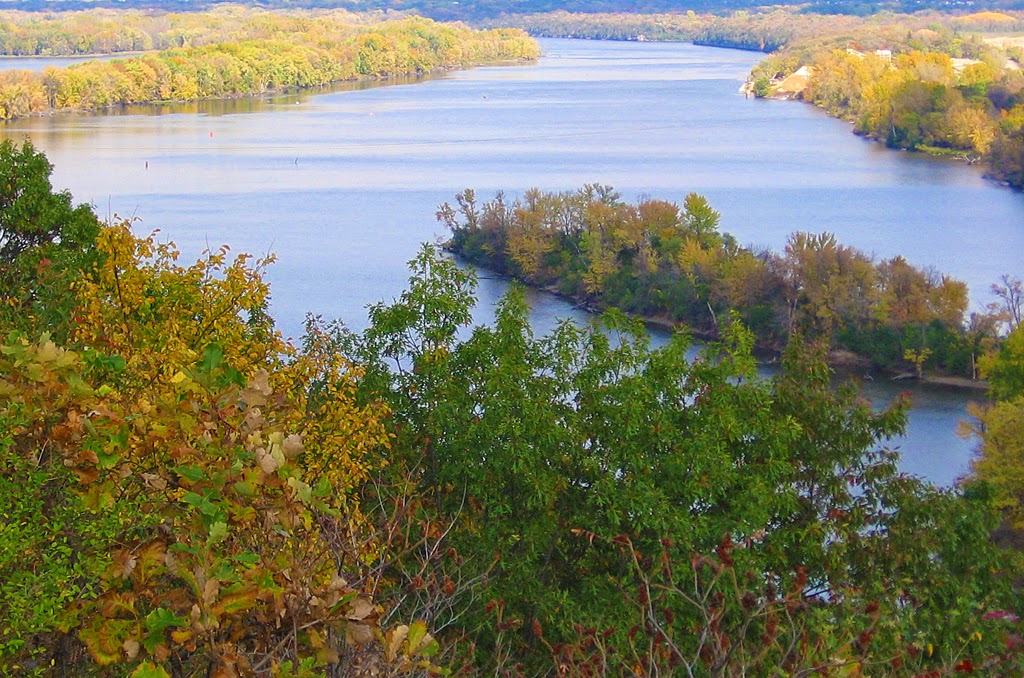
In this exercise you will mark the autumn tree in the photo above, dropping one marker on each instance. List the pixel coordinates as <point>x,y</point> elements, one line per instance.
<point>187,485</point>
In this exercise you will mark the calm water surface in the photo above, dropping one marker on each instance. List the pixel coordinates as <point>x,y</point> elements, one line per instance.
<point>343,186</point>
<point>41,63</point>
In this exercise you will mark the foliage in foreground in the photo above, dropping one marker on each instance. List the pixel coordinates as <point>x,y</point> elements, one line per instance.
<point>177,498</point>
<point>634,510</point>
<point>1000,423</point>
<point>184,494</point>
<point>45,243</point>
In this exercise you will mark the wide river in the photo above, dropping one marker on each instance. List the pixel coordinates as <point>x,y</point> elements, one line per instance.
<point>343,185</point>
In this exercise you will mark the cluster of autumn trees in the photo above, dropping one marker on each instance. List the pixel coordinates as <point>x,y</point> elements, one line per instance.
<point>289,52</point>
<point>918,101</point>
<point>661,261</point>
<point>104,31</point>
<point>939,88</point>
<point>1000,424</point>
<point>184,493</point>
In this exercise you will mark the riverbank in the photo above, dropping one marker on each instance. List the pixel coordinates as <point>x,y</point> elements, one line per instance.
<point>844,362</point>
<point>258,66</point>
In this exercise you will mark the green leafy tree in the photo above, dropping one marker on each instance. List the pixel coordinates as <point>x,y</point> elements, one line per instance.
<point>584,475</point>
<point>45,243</point>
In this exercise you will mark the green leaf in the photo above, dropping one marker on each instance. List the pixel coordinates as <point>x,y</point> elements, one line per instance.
<point>149,670</point>
<point>191,473</point>
<point>203,504</point>
<point>247,558</point>
<point>304,491</point>
<point>218,531</point>
<point>161,619</point>
<point>213,356</point>
<point>107,460</point>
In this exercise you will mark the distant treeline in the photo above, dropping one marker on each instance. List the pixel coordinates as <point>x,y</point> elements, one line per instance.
<point>739,30</point>
<point>477,10</point>
<point>765,29</point>
<point>104,31</point>
<point>668,263</point>
<point>275,52</point>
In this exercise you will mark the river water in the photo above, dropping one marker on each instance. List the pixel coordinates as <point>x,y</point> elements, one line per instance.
<point>343,185</point>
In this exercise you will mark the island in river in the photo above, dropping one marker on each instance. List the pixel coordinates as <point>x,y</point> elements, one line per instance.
<point>672,264</point>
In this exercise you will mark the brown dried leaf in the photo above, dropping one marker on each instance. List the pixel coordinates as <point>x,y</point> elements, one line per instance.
<point>292,445</point>
<point>358,634</point>
<point>361,608</point>
<point>122,564</point>
<point>210,591</point>
<point>266,461</point>
<point>154,481</point>
<point>396,637</point>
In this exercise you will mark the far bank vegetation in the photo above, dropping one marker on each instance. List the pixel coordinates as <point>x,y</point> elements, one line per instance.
<point>229,53</point>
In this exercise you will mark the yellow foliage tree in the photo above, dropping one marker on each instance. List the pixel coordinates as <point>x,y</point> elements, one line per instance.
<point>1000,461</point>
<point>206,477</point>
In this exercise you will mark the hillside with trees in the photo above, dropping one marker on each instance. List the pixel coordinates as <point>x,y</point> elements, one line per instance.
<point>950,87</point>
<point>184,493</point>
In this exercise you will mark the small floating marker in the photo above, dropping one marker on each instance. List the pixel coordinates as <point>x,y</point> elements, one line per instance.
<point>147,164</point>
<point>211,135</point>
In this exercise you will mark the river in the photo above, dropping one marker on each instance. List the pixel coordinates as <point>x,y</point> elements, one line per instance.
<point>343,185</point>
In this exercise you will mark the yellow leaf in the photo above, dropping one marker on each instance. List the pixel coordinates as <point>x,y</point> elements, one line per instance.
<point>235,602</point>
<point>180,636</point>
<point>395,638</point>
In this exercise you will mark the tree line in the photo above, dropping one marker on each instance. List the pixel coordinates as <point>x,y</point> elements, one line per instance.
<point>671,263</point>
<point>294,53</point>
<point>184,492</point>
